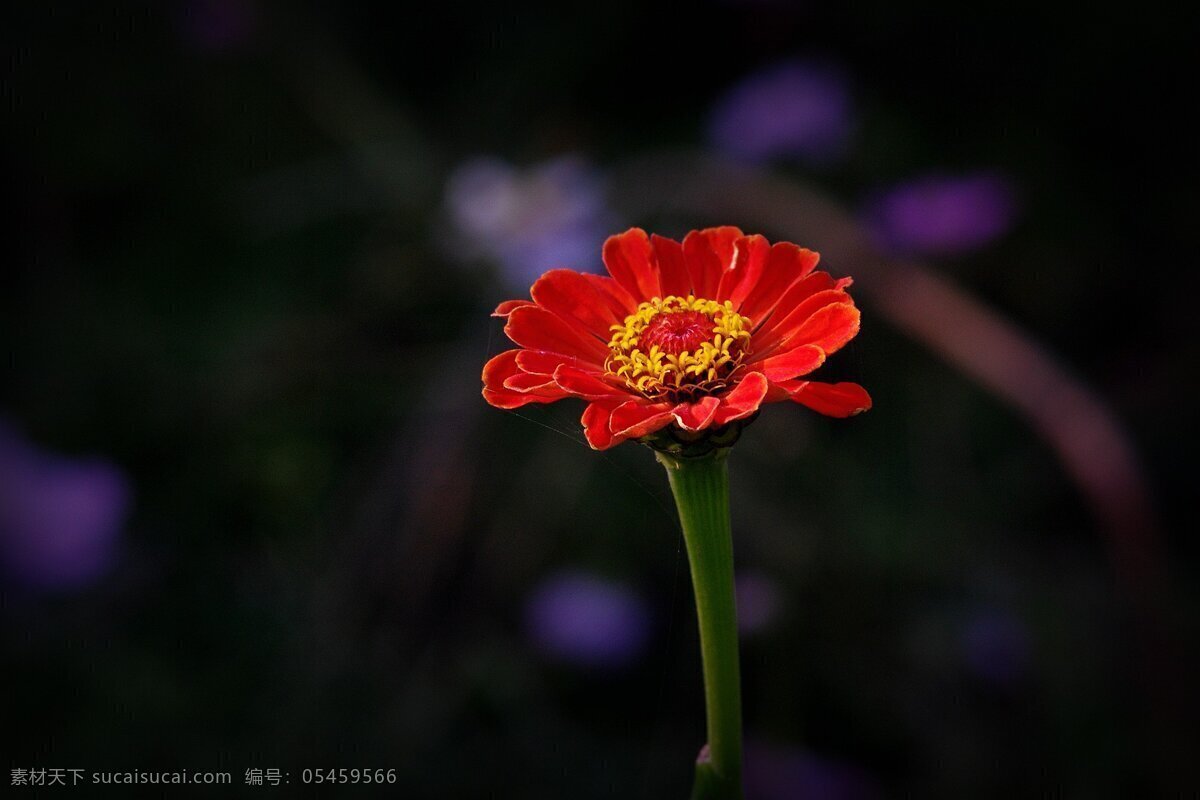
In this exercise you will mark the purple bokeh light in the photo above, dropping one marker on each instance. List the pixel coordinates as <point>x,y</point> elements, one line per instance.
<point>758,602</point>
<point>588,621</point>
<point>551,215</point>
<point>218,25</point>
<point>797,109</point>
<point>774,772</point>
<point>61,519</point>
<point>942,215</point>
<point>996,647</point>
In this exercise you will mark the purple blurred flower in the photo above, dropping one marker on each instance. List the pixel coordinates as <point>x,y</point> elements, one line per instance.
<point>529,221</point>
<point>757,602</point>
<point>217,25</point>
<point>943,215</point>
<point>586,620</point>
<point>796,109</point>
<point>996,647</point>
<point>789,773</point>
<point>60,518</point>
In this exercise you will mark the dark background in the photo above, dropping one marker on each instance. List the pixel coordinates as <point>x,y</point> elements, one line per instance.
<point>235,281</point>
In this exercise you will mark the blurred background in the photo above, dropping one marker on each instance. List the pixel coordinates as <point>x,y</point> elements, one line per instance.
<point>255,514</point>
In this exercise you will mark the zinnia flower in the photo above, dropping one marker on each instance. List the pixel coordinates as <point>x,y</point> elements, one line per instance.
<point>683,340</point>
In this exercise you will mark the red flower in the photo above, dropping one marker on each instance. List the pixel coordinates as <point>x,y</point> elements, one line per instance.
<point>696,335</point>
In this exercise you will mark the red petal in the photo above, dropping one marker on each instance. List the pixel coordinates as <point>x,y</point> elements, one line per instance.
<point>538,329</point>
<point>696,416</point>
<point>510,400</point>
<point>629,259</point>
<point>540,362</point>
<point>830,399</point>
<point>785,265</point>
<point>776,393</point>
<point>636,418</point>
<point>672,267</point>
<point>540,385</point>
<point>797,293</point>
<point>509,306</point>
<point>587,385</point>
<point>791,364</point>
<point>620,301</point>
<point>569,295</point>
<point>788,324</point>
<point>828,328</point>
<point>500,369</point>
<point>748,264</point>
<point>709,253</point>
<point>743,400</point>
<point>595,425</point>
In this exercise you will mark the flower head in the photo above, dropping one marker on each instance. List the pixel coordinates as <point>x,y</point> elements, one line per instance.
<point>682,342</point>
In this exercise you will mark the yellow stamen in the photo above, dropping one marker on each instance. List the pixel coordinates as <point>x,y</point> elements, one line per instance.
<point>714,334</point>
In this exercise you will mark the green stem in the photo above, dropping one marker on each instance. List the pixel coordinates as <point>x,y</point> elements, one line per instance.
<point>701,488</point>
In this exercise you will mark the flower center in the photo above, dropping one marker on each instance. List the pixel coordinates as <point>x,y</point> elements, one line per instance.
<point>679,332</point>
<point>678,347</point>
